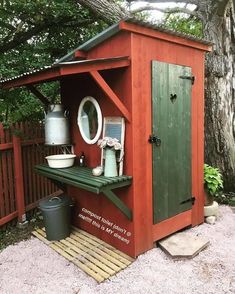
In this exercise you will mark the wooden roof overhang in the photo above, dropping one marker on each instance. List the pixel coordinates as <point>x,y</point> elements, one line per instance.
<point>64,69</point>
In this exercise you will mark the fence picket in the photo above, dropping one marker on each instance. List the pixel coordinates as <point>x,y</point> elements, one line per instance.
<point>4,174</point>
<point>35,187</point>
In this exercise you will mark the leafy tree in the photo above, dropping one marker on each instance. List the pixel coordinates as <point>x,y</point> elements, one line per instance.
<point>33,33</point>
<point>184,24</point>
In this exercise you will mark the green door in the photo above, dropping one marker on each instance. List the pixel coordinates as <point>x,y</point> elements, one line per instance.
<point>171,113</point>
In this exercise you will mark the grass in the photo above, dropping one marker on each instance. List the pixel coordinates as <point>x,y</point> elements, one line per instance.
<point>12,235</point>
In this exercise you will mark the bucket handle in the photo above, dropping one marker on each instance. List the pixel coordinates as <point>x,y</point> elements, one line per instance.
<point>55,198</point>
<point>66,113</point>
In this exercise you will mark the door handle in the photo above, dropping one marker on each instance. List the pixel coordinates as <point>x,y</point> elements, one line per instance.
<point>153,139</point>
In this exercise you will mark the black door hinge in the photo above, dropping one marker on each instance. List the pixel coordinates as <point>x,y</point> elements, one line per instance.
<point>192,78</point>
<point>192,200</point>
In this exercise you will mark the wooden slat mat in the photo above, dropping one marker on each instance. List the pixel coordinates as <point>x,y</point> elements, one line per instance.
<point>95,257</point>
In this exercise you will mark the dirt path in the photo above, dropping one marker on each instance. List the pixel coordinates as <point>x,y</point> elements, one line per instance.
<point>32,267</point>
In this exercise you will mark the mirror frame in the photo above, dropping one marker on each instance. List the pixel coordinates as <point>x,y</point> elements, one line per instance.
<point>99,117</point>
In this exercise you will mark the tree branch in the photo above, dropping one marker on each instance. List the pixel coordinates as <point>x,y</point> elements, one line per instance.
<point>22,36</point>
<point>108,11</point>
<point>7,25</point>
<point>167,10</point>
<point>195,2</point>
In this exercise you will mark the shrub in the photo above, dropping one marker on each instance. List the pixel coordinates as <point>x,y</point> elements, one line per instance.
<point>213,180</point>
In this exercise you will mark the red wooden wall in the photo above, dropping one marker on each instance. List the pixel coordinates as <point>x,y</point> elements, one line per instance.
<point>133,86</point>
<point>144,50</point>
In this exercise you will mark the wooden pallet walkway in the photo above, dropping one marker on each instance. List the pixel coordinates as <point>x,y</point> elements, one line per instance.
<point>92,255</point>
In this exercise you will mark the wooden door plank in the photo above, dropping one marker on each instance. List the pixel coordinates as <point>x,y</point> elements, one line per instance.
<point>172,123</point>
<point>160,90</point>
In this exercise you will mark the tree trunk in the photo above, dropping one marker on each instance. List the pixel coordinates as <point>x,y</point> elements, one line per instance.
<point>219,92</point>
<point>107,10</point>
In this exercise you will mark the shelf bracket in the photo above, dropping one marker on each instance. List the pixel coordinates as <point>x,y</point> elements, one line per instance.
<point>109,92</point>
<point>118,203</point>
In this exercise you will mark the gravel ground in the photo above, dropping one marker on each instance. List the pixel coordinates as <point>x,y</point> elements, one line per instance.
<point>32,267</point>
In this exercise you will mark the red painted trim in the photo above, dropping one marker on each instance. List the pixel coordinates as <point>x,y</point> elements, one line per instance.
<point>8,218</point>
<point>19,180</point>
<point>198,146</point>
<point>6,146</point>
<point>80,54</point>
<point>76,68</point>
<point>172,225</point>
<point>112,96</point>
<point>63,70</point>
<point>163,36</point>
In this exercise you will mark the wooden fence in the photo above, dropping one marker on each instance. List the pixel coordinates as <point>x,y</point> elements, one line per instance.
<point>21,148</point>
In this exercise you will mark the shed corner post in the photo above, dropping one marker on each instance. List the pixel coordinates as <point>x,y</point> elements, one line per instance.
<point>19,181</point>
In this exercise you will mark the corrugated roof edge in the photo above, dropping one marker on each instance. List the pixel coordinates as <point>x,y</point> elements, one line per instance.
<point>87,61</point>
<point>114,29</point>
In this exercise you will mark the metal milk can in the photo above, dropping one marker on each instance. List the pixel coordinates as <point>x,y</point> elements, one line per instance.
<point>56,126</point>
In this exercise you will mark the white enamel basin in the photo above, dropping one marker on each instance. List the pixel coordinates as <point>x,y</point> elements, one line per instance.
<point>60,160</point>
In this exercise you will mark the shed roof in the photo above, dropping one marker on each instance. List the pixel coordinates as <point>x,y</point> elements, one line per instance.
<point>114,29</point>
<point>129,24</point>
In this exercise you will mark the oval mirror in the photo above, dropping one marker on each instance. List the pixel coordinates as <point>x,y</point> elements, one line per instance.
<point>89,120</point>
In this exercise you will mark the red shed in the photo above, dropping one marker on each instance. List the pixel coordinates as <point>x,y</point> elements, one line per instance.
<point>154,78</point>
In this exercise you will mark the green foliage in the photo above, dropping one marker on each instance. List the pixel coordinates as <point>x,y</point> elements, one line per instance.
<point>225,198</point>
<point>34,33</point>
<point>213,180</point>
<point>184,24</point>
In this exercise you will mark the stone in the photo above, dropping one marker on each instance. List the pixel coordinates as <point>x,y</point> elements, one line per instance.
<point>183,245</point>
<point>211,219</point>
<point>22,225</point>
<point>211,209</point>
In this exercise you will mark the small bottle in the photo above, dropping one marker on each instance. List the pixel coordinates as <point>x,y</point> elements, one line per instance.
<point>82,159</point>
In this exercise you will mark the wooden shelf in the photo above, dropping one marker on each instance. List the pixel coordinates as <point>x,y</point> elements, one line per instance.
<point>82,178</point>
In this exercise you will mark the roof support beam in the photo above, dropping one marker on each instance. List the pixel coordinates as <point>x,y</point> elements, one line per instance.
<point>111,95</point>
<point>39,95</point>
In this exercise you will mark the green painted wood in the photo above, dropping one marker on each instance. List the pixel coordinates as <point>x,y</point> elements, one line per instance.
<point>125,183</point>
<point>118,203</point>
<point>172,124</point>
<point>87,171</point>
<point>63,174</point>
<point>68,181</point>
<point>82,177</point>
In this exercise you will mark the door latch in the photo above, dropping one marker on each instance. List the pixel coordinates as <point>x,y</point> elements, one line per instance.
<point>153,139</point>
<point>192,78</point>
<point>192,200</point>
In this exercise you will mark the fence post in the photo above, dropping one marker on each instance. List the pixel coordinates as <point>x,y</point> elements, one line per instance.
<point>19,180</point>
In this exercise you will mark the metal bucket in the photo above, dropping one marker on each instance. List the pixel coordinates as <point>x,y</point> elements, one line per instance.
<point>56,126</point>
<point>56,213</point>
